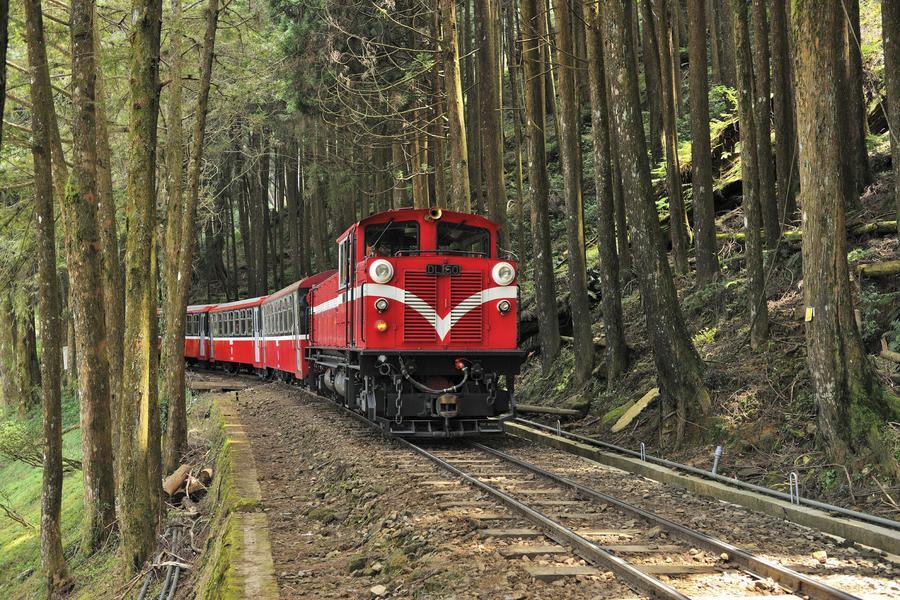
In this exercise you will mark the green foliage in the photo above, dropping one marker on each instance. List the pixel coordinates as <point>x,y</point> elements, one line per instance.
<point>705,337</point>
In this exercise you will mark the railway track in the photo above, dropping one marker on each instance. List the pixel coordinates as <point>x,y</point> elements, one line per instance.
<point>588,523</point>
<point>648,554</point>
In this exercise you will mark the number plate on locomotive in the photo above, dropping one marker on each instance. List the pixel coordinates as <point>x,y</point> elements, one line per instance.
<point>442,269</point>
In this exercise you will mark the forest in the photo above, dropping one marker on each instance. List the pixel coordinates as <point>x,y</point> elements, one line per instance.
<point>703,196</point>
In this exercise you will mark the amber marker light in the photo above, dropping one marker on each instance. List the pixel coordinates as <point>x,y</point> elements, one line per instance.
<point>381,326</point>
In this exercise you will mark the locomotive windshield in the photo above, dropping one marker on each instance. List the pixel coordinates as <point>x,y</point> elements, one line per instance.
<point>458,238</point>
<point>392,238</point>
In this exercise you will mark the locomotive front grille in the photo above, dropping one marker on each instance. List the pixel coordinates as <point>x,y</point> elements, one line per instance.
<point>420,297</point>
<point>468,315</point>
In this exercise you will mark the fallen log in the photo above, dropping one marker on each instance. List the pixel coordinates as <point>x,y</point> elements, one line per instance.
<point>635,410</point>
<point>173,482</point>
<point>887,353</point>
<point>879,269</point>
<point>795,235</point>
<point>547,410</point>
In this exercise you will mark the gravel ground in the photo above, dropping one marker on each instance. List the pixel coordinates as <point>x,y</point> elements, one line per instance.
<point>348,519</point>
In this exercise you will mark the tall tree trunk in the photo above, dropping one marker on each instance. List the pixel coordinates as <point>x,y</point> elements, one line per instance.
<point>726,39</point>
<point>701,155</point>
<point>783,95</point>
<point>759,319</point>
<point>711,15</point>
<point>177,297</point>
<point>53,562</point>
<point>761,110</point>
<point>678,226</point>
<point>84,260</point>
<point>488,25</point>
<point>890,30</point>
<point>570,156</point>
<point>514,69</point>
<point>4,42</point>
<point>460,194</point>
<point>652,80</point>
<point>398,198</point>
<point>14,392</point>
<point>852,405</point>
<point>292,194</point>
<point>139,444</point>
<point>678,366</point>
<point>538,184</point>
<point>113,288</point>
<point>856,99</point>
<point>613,323</point>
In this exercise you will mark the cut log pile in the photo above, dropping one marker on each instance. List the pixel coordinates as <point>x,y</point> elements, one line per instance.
<point>187,485</point>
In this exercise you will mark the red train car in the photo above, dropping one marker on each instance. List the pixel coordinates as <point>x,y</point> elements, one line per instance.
<point>285,333</point>
<point>237,334</point>
<point>417,328</point>
<point>197,339</point>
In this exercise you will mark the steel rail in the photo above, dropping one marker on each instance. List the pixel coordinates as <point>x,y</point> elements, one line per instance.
<point>859,516</point>
<point>791,579</point>
<point>562,534</point>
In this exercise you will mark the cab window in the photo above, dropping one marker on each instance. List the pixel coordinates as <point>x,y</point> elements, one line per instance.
<point>462,239</point>
<point>344,254</point>
<point>393,238</point>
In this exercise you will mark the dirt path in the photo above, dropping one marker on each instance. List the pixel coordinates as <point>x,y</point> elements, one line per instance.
<point>346,522</point>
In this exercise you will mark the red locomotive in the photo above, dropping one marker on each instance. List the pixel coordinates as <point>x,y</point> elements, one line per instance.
<point>416,328</point>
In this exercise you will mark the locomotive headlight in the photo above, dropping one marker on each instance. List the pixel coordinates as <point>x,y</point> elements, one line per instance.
<point>381,326</point>
<point>503,306</point>
<point>503,273</point>
<point>381,305</point>
<point>381,271</point>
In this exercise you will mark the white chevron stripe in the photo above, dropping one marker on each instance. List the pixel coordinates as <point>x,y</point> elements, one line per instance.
<point>442,325</point>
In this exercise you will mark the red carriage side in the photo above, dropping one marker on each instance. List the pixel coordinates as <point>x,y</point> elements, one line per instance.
<point>237,334</point>
<point>197,340</point>
<point>285,333</point>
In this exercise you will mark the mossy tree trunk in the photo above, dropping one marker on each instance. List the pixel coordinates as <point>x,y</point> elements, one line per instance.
<point>652,81</point>
<point>53,562</point>
<point>855,99</point>
<point>84,259</point>
<point>678,366</point>
<point>614,326</point>
<point>180,271</point>
<point>759,317</point>
<point>701,155</point>
<point>852,404</point>
<point>138,479</point>
<point>568,117</point>
<point>890,29</point>
<point>538,183</point>
<point>514,70</point>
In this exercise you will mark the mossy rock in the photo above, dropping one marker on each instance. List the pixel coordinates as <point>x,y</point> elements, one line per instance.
<point>395,562</point>
<point>612,416</point>
<point>357,562</point>
<point>324,515</point>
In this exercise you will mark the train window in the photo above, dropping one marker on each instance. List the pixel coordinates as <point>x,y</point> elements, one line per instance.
<point>462,239</point>
<point>392,238</point>
<point>343,271</point>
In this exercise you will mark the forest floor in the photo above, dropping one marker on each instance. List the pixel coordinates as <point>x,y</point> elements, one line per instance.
<point>763,411</point>
<point>20,490</point>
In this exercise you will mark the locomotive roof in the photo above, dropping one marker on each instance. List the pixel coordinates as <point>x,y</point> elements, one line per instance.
<point>250,302</point>
<point>308,282</point>
<point>418,214</point>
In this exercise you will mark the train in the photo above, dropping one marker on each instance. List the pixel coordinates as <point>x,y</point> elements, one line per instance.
<point>416,328</point>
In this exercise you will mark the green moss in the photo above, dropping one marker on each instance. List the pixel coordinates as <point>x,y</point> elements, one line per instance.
<point>612,416</point>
